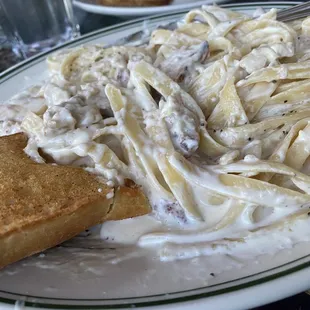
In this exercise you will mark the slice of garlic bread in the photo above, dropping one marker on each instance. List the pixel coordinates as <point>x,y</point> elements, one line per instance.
<point>42,205</point>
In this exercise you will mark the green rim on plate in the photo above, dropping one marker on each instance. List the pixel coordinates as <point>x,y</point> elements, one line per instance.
<point>161,299</point>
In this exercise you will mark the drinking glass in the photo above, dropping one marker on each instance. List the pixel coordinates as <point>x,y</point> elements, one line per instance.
<point>34,26</point>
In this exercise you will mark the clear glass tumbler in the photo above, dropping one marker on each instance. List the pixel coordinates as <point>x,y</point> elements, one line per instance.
<point>37,25</point>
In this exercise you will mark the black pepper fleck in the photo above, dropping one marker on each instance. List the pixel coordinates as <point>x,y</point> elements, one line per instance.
<point>285,101</point>
<point>212,274</point>
<point>283,114</point>
<point>274,81</point>
<point>214,130</point>
<point>250,139</point>
<point>221,130</point>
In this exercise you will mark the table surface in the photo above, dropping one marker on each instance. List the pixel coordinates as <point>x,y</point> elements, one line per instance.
<point>90,22</point>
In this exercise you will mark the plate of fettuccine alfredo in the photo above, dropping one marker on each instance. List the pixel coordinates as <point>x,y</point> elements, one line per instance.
<point>211,120</point>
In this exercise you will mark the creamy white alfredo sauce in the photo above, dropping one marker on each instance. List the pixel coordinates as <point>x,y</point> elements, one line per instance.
<point>211,120</point>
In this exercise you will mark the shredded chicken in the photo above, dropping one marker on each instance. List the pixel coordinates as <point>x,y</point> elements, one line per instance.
<point>182,124</point>
<point>69,115</point>
<point>180,61</point>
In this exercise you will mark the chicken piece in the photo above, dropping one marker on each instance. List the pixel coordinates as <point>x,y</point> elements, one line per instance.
<point>183,124</point>
<point>69,115</point>
<point>96,63</point>
<point>180,61</point>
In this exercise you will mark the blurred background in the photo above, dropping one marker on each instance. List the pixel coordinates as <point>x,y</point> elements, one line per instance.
<point>31,26</point>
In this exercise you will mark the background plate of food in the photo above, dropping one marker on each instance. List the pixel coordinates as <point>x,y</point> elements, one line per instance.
<point>124,8</point>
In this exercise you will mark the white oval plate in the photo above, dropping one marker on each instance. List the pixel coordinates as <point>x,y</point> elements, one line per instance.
<point>86,5</point>
<point>82,275</point>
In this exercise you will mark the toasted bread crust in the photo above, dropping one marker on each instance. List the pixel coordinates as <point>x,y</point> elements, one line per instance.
<point>127,201</point>
<point>43,205</point>
<point>133,3</point>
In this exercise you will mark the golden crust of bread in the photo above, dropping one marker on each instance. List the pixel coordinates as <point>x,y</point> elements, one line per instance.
<point>133,3</point>
<point>42,205</point>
